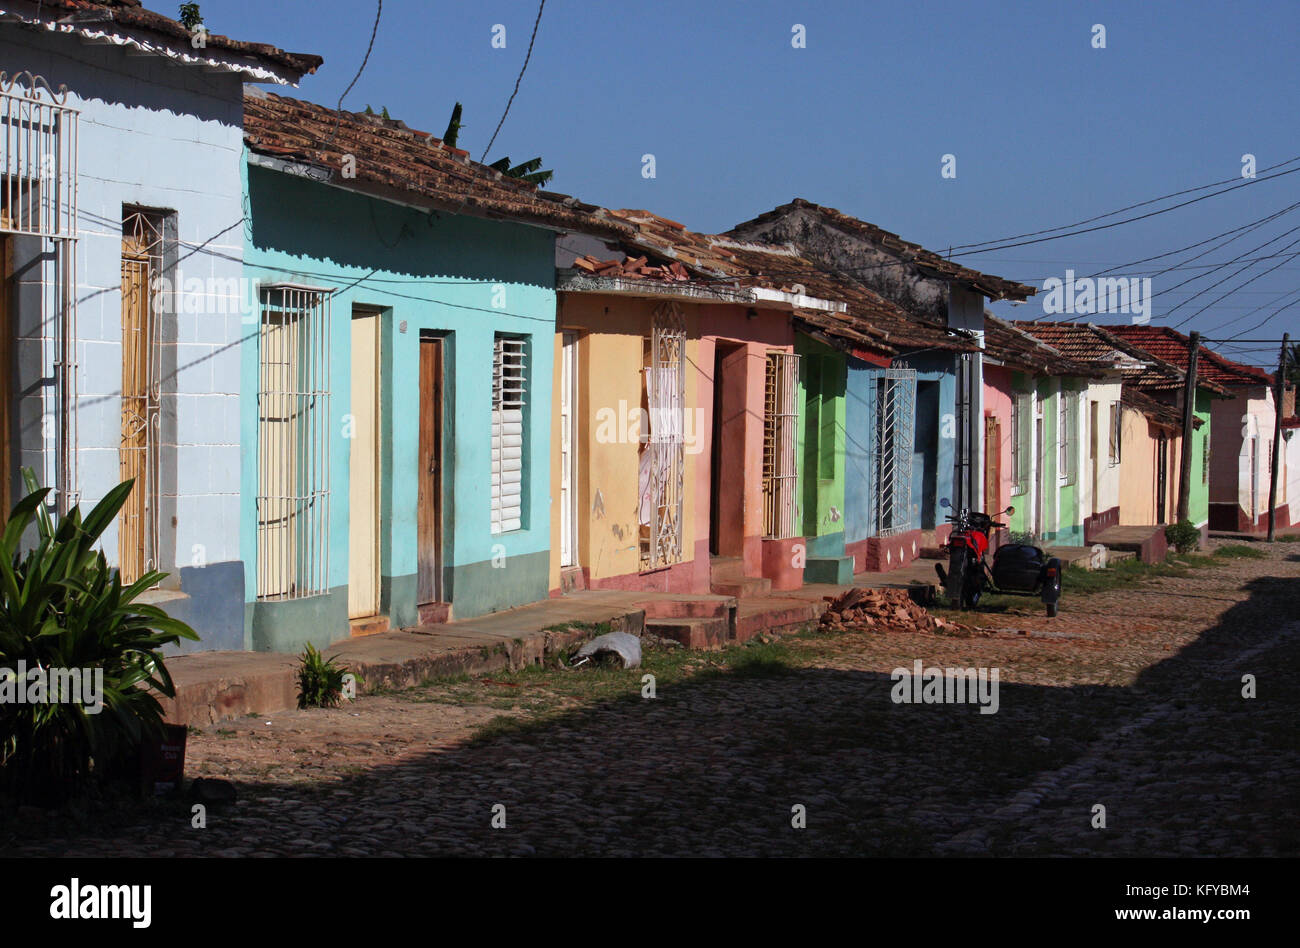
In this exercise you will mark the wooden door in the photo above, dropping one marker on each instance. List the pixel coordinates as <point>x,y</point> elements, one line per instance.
<point>363,478</point>
<point>992,465</point>
<point>428,509</point>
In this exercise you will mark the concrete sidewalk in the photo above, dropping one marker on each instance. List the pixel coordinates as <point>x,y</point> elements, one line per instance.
<point>216,686</point>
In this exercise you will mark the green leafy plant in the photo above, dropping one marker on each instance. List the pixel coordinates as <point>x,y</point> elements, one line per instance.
<point>320,681</point>
<point>190,16</point>
<point>63,607</point>
<point>1183,536</point>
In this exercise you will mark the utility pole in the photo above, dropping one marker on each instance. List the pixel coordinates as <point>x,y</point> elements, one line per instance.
<point>1189,416</point>
<point>1279,389</point>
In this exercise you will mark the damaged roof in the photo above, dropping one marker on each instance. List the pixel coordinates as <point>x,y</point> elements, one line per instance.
<point>92,18</point>
<point>664,250</point>
<point>926,261</point>
<point>394,161</point>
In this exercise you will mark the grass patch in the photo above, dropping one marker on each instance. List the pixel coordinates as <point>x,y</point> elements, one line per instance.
<point>1240,551</point>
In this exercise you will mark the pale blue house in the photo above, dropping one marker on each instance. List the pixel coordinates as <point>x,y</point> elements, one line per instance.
<point>121,204</point>
<point>396,378</point>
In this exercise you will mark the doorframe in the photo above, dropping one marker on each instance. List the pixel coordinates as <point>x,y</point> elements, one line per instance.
<point>439,341</point>
<point>568,433</point>
<point>360,311</point>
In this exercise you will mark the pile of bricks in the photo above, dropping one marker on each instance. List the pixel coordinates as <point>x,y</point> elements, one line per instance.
<point>882,609</point>
<point>636,268</point>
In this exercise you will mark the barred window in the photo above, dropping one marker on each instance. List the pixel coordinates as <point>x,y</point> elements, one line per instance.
<point>1068,435</point>
<point>779,419</point>
<point>509,415</point>
<point>1020,427</point>
<point>293,397</point>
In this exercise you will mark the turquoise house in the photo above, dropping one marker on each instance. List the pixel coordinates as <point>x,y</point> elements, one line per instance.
<point>396,378</point>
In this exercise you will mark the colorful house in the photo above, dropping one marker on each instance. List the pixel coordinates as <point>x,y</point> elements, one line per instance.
<point>1236,479</point>
<point>931,393</point>
<point>679,416</point>
<point>1044,441</point>
<point>396,378</point>
<point>120,202</point>
<point>1148,426</point>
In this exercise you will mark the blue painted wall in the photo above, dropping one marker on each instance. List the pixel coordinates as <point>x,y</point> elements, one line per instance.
<point>462,276</point>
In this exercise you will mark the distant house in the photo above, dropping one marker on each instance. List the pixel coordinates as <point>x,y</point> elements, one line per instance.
<point>121,218</point>
<point>1049,449</point>
<point>1145,432</point>
<point>1242,423</point>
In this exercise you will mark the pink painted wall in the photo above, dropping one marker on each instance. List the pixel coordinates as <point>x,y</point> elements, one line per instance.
<point>998,403</point>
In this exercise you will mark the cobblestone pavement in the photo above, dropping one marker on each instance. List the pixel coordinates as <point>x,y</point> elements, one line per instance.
<point>1130,699</point>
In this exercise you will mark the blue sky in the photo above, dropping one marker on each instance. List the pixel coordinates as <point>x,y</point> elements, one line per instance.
<point>1046,130</point>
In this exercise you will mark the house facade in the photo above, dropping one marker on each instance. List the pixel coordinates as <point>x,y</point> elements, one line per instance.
<point>934,293</point>
<point>120,237</point>
<point>683,417</point>
<point>396,379</point>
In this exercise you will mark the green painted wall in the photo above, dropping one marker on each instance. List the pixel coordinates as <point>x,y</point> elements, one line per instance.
<point>1198,505</point>
<point>823,381</point>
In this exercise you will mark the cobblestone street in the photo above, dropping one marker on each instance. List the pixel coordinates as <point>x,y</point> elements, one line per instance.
<point>1129,699</point>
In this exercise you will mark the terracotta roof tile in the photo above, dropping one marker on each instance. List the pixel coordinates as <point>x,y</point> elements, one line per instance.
<point>1174,347</point>
<point>396,160</point>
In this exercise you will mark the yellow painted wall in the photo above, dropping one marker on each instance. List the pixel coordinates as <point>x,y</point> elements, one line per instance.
<point>1137,487</point>
<point>612,334</point>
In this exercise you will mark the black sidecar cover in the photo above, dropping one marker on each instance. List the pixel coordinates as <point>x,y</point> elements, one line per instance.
<point>1018,566</point>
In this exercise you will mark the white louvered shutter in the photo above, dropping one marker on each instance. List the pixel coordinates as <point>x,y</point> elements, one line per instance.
<point>508,377</point>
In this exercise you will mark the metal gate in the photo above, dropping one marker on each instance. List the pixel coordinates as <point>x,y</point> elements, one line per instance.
<point>38,199</point>
<point>663,456</point>
<point>893,436</point>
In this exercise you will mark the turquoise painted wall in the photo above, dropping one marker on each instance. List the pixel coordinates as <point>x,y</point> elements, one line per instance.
<point>934,445</point>
<point>457,275</point>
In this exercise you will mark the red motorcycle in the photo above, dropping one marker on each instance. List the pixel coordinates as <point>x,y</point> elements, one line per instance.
<point>1019,569</point>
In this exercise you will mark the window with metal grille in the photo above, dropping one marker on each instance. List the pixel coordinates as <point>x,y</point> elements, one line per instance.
<point>662,463</point>
<point>1022,412</point>
<point>38,199</point>
<point>779,429</point>
<point>1205,457</point>
<point>1116,432</point>
<point>293,417</point>
<point>509,391</point>
<point>894,435</point>
<point>142,265</point>
<point>1068,435</point>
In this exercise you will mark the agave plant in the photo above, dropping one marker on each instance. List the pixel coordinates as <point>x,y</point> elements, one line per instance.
<point>63,607</point>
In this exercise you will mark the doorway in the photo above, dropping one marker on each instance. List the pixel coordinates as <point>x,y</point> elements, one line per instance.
<point>428,494</point>
<point>363,468</point>
<point>1162,477</point>
<point>568,462</point>
<point>727,449</point>
<point>1040,482</point>
<point>1094,445</point>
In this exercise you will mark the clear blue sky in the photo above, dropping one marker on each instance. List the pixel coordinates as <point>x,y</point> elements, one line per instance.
<point>1046,130</point>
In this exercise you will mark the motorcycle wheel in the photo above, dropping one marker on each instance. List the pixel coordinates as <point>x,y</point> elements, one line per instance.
<point>957,579</point>
<point>1051,610</point>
